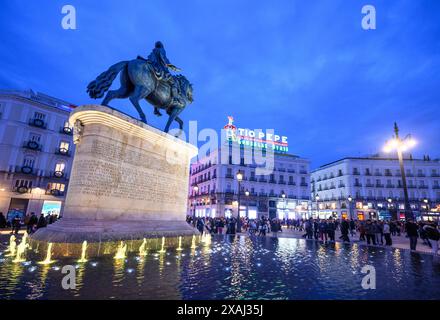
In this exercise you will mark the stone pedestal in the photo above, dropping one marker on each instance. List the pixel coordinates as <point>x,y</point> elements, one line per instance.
<point>128,181</point>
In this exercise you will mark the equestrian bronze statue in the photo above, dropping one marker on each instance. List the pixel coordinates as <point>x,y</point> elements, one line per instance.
<point>148,79</point>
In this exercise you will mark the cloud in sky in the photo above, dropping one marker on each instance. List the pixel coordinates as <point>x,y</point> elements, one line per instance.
<point>306,69</point>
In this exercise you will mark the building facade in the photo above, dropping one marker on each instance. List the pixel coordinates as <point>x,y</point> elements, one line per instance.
<point>283,193</point>
<point>371,188</point>
<point>36,151</point>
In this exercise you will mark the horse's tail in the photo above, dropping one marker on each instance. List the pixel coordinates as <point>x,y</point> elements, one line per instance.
<point>102,83</point>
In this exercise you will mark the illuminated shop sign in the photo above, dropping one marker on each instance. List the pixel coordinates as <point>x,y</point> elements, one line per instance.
<point>255,138</point>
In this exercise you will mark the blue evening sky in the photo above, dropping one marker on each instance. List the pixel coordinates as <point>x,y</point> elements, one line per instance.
<point>305,68</point>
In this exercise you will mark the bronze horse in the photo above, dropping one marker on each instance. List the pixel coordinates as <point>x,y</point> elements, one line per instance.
<point>139,80</point>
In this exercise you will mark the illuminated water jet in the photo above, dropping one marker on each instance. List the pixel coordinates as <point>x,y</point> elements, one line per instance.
<point>179,248</point>
<point>48,259</point>
<point>83,252</point>
<point>162,249</point>
<point>121,251</point>
<point>193,242</point>
<point>143,248</point>
<point>12,247</point>
<point>21,249</point>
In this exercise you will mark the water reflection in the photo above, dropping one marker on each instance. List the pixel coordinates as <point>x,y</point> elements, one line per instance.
<point>233,268</point>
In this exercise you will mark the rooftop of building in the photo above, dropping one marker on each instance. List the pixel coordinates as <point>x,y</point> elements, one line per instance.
<point>376,158</point>
<point>38,97</point>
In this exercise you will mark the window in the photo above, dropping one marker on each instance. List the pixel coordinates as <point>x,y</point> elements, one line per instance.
<point>34,137</point>
<point>28,161</point>
<point>39,116</point>
<point>59,167</point>
<point>23,183</point>
<point>56,186</point>
<point>64,146</point>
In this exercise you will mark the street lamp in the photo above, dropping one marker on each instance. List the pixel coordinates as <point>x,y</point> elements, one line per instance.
<point>239,177</point>
<point>401,145</point>
<point>196,189</point>
<point>350,199</point>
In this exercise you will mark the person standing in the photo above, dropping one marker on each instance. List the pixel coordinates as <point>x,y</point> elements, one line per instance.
<point>387,234</point>
<point>331,228</point>
<point>16,224</point>
<point>412,233</point>
<point>316,229</point>
<point>323,230</point>
<point>370,232</point>
<point>2,221</point>
<point>344,230</point>
<point>352,227</point>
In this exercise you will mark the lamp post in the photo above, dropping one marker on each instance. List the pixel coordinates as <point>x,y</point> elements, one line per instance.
<point>401,145</point>
<point>196,189</point>
<point>239,177</point>
<point>247,201</point>
<point>350,199</point>
<point>317,204</point>
<point>426,202</point>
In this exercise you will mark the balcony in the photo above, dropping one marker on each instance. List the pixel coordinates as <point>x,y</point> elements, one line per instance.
<point>436,187</point>
<point>32,145</point>
<point>388,174</point>
<point>341,185</point>
<point>412,187</point>
<point>358,184</point>
<point>378,174</point>
<point>229,176</point>
<point>291,171</point>
<point>25,169</point>
<point>435,175</point>
<point>66,130</point>
<point>409,174</point>
<point>272,181</point>
<point>22,189</point>
<point>55,192</point>
<point>356,173</point>
<point>303,184</point>
<point>421,175</point>
<point>303,171</point>
<point>281,182</point>
<point>262,180</point>
<point>38,123</point>
<point>391,186</point>
<point>252,179</point>
<point>369,185</point>
<point>423,187</point>
<point>59,174</point>
<point>291,183</point>
<point>62,152</point>
<point>262,194</point>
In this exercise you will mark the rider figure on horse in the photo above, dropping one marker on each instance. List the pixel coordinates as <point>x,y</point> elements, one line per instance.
<point>158,58</point>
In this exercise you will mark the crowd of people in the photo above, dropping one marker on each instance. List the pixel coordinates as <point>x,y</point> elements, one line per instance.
<point>31,222</point>
<point>372,232</point>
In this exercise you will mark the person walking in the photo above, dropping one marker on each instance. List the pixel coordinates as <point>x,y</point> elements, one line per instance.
<point>412,233</point>
<point>361,231</point>
<point>433,235</point>
<point>387,234</point>
<point>316,229</point>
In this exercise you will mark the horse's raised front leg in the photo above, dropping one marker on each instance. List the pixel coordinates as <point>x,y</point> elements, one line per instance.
<point>138,94</point>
